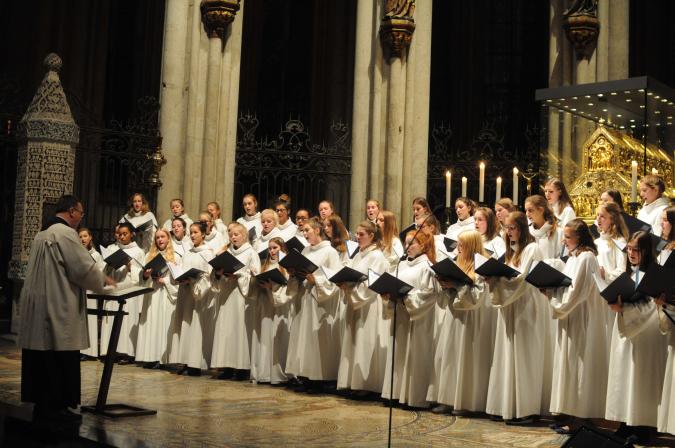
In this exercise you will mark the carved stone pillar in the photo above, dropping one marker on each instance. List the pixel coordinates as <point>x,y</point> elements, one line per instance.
<point>45,165</point>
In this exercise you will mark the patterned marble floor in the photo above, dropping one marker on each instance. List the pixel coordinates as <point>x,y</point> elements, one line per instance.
<point>203,412</point>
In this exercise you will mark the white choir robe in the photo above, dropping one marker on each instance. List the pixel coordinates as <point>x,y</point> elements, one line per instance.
<point>613,261</point>
<point>188,222</point>
<point>250,222</point>
<point>565,215</point>
<point>220,226</point>
<point>314,346</point>
<point>463,355</point>
<point>651,214</point>
<point>92,319</point>
<point>441,251</point>
<point>581,356</point>
<point>460,226</point>
<point>496,245</point>
<point>262,241</point>
<point>271,332</point>
<point>666,411</point>
<point>215,240</point>
<point>550,245</point>
<point>181,247</point>
<point>156,316</point>
<point>637,363</point>
<point>414,335</point>
<point>394,255</point>
<point>340,323</point>
<point>125,278</point>
<point>520,375</point>
<point>363,355</point>
<point>288,230</point>
<point>235,312</point>
<point>194,313</point>
<point>143,239</point>
<point>663,256</point>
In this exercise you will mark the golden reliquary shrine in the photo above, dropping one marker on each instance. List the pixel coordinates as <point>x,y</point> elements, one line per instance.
<point>607,160</point>
<point>596,136</point>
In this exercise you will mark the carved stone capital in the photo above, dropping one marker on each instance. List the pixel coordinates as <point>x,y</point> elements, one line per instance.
<point>395,35</point>
<point>217,15</point>
<point>582,26</point>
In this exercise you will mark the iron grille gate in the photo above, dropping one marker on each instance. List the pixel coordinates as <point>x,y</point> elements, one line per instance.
<point>291,163</point>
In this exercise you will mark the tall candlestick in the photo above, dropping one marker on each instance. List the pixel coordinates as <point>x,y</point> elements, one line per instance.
<point>448,188</point>
<point>515,185</point>
<point>498,196</point>
<point>633,181</point>
<point>463,187</point>
<point>481,182</point>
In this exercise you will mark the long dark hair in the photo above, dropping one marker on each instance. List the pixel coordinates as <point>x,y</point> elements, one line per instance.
<point>583,234</point>
<point>646,248</point>
<point>520,220</point>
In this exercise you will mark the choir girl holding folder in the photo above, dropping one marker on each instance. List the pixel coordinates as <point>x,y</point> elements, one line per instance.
<point>520,376</point>
<point>638,353</point>
<point>559,201</point>
<point>269,230</point>
<point>652,188</point>
<point>177,211</point>
<point>391,245</point>
<point>414,325</point>
<point>143,221</point>
<point>363,356</point>
<point>194,308</point>
<point>86,238</point>
<point>235,312</point>
<point>544,226</point>
<point>580,360</point>
<point>314,347</point>
<point>251,217</point>
<point>464,352</point>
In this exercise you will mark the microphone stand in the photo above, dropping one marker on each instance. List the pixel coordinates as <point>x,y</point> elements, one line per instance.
<point>393,344</point>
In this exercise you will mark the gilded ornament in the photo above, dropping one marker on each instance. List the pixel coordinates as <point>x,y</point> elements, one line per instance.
<point>397,27</point>
<point>582,26</point>
<point>217,15</point>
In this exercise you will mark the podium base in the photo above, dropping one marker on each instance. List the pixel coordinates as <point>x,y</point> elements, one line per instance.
<point>118,410</point>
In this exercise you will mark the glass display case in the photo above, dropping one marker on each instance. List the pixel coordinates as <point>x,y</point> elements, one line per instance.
<point>606,135</point>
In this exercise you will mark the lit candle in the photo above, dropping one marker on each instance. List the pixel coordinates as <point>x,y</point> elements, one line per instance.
<point>515,185</point>
<point>655,172</point>
<point>448,192</point>
<point>633,181</point>
<point>498,196</point>
<point>481,182</point>
<point>463,187</point>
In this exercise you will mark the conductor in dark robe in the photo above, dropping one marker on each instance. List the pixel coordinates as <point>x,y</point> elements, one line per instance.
<point>53,327</point>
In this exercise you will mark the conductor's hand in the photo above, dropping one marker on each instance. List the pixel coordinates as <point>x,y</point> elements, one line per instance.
<point>617,306</point>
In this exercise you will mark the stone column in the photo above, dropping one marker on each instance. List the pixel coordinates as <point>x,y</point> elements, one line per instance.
<point>199,104</point>
<point>45,166</point>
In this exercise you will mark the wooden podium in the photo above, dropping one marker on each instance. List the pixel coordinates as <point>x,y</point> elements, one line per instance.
<point>115,410</point>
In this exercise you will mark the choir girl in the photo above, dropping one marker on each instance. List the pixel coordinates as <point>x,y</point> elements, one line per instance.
<point>464,352</point>
<point>177,211</point>
<point>194,308</point>
<point>421,210</point>
<point>520,377</point>
<point>580,360</point>
<point>326,209</point>
<point>158,307</point>
<point>614,196</point>
<point>652,188</point>
<point>301,218</point>
<point>638,352</point>
<point>545,229</point>
<point>433,228</point>
<point>667,233</point>
<point>314,347</point>
<point>414,325</point>
<point>559,201</point>
<point>251,218</point>
<point>86,238</point>
<point>269,221</point>
<point>337,234</point>
<point>372,210</point>
<point>235,313</point>
<point>666,410</point>
<point>180,240</point>
<point>391,245</point>
<point>363,356</point>
<point>503,207</point>
<point>125,276</point>
<point>285,224</point>
<point>612,241</point>
<point>464,207</point>
<point>487,226</point>
<point>272,327</point>
<point>138,213</point>
<point>214,210</point>
<point>214,239</point>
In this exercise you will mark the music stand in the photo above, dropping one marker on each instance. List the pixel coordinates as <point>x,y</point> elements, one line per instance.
<point>102,408</point>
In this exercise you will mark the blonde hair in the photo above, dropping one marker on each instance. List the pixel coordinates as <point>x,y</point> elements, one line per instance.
<point>154,250</point>
<point>618,227</point>
<point>270,213</point>
<point>654,181</point>
<point>540,201</point>
<point>145,205</point>
<point>472,243</point>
